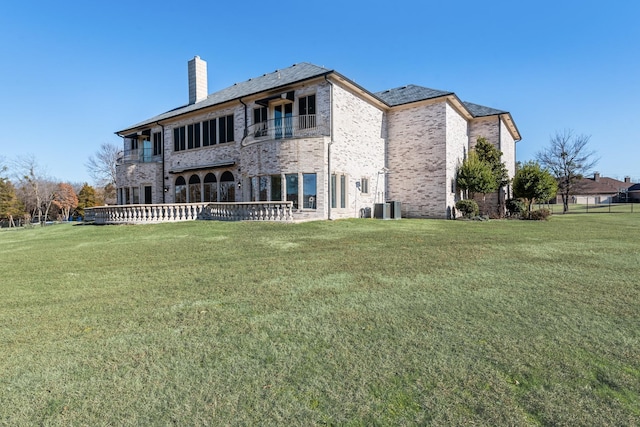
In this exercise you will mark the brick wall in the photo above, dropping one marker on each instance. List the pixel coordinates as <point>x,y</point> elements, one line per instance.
<point>495,131</point>
<point>358,149</point>
<point>417,159</point>
<point>457,148</point>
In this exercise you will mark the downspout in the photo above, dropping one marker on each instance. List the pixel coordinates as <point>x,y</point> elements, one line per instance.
<point>246,129</point>
<point>116,183</point>
<point>502,203</point>
<point>164,185</point>
<point>329,194</point>
<point>244,135</point>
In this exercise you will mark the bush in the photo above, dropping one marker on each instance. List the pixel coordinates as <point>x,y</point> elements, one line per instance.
<point>469,208</point>
<point>540,215</point>
<point>515,207</point>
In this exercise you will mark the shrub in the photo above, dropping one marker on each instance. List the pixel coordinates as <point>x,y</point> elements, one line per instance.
<point>515,207</point>
<point>540,215</point>
<point>469,208</point>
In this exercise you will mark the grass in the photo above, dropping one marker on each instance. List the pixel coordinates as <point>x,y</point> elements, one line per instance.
<point>357,322</point>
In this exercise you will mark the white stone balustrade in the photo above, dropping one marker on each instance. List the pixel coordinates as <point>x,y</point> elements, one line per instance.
<point>251,211</point>
<point>148,214</point>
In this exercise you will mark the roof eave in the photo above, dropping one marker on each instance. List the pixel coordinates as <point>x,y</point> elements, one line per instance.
<point>147,123</point>
<point>359,89</point>
<point>512,126</point>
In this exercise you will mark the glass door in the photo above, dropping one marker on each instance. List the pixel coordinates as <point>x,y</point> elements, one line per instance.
<point>146,151</point>
<point>283,120</point>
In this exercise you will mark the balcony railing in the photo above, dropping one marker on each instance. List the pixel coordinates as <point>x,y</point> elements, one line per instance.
<point>174,212</point>
<point>139,155</point>
<point>288,127</point>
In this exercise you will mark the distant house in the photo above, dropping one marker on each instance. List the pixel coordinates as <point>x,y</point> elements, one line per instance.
<point>633,193</point>
<point>309,136</point>
<point>598,189</point>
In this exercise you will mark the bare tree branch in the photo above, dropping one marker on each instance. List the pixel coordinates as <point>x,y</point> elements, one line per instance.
<point>569,159</point>
<point>34,189</point>
<point>102,166</point>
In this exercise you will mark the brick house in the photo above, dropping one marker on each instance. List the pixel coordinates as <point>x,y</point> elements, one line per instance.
<point>600,190</point>
<point>309,135</point>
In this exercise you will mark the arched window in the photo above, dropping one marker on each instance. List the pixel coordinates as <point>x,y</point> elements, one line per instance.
<point>194,189</point>
<point>210,188</point>
<point>227,187</point>
<point>181,190</point>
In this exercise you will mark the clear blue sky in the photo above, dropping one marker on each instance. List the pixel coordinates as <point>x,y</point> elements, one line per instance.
<point>74,72</point>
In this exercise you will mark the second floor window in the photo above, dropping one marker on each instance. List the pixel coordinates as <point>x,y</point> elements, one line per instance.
<point>307,111</point>
<point>193,136</point>
<point>157,143</point>
<point>260,116</point>
<point>207,133</point>
<point>179,143</point>
<point>225,129</point>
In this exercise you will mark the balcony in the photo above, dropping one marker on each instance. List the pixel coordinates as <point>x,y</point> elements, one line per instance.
<point>139,155</point>
<point>305,126</point>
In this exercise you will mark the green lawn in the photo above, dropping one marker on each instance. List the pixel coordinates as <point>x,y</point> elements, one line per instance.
<point>358,322</point>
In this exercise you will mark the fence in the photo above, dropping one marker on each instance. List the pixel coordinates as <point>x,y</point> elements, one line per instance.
<point>585,208</point>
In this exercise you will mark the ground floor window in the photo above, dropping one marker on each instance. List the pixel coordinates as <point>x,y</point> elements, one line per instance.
<point>309,191</point>
<point>210,188</point>
<point>276,188</point>
<point>299,188</point>
<point>364,185</point>
<point>263,188</point>
<point>227,187</point>
<point>252,189</point>
<point>339,190</point>
<point>194,189</point>
<point>135,193</point>
<point>148,195</point>
<point>181,190</point>
<point>292,189</point>
<point>334,194</point>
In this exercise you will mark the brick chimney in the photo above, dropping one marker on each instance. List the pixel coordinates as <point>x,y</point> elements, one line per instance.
<point>596,177</point>
<point>197,80</point>
<point>627,180</point>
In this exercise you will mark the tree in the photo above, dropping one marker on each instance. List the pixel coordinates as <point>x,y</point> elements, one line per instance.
<point>475,176</point>
<point>65,199</point>
<point>10,206</point>
<point>102,166</point>
<point>488,153</point>
<point>35,190</point>
<point>86,198</point>
<point>106,195</point>
<point>568,158</point>
<point>532,183</point>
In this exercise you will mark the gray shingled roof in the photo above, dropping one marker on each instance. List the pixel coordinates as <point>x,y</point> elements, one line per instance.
<point>278,78</point>
<point>408,94</point>
<point>304,71</point>
<point>413,93</point>
<point>482,111</point>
